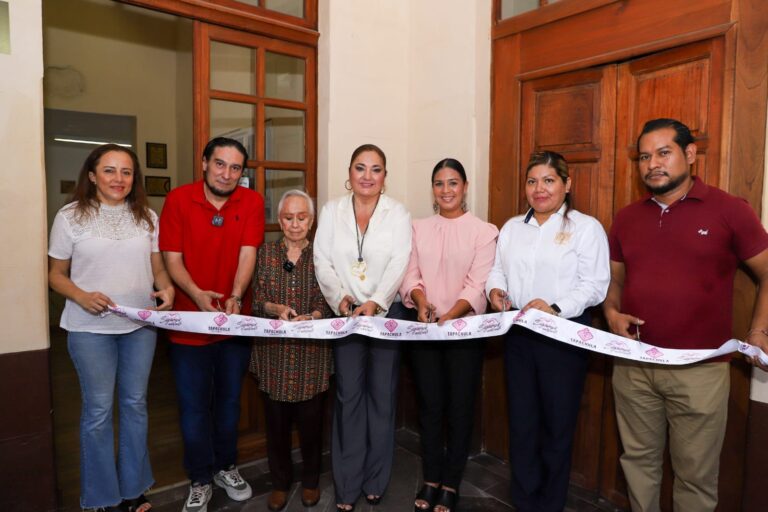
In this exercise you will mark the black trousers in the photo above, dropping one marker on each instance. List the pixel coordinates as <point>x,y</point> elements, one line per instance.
<point>545,380</point>
<point>308,416</point>
<point>447,377</point>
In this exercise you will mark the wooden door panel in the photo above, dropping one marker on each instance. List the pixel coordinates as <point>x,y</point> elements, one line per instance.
<point>684,83</point>
<point>574,114</point>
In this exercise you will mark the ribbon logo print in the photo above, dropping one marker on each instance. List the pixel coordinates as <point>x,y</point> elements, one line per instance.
<point>479,326</point>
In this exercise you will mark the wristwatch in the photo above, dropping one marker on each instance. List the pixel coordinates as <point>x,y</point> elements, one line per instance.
<point>556,309</point>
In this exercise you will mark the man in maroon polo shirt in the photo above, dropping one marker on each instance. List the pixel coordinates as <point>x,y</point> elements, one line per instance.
<point>209,233</point>
<point>674,255</point>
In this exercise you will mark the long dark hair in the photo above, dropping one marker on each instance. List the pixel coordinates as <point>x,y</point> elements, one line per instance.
<point>85,190</point>
<point>557,162</point>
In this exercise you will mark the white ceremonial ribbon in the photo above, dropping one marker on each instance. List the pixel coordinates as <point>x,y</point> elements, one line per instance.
<point>479,326</point>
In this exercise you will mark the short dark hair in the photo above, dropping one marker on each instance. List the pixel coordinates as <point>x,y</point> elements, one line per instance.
<point>683,135</point>
<point>450,163</point>
<point>224,142</point>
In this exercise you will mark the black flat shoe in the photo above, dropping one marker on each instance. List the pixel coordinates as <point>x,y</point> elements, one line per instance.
<point>373,500</point>
<point>429,494</point>
<point>447,499</point>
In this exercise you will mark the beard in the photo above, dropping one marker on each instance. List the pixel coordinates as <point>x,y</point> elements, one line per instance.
<point>669,186</point>
<point>215,190</point>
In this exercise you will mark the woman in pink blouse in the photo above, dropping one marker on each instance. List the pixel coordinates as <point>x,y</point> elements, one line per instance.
<point>451,256</point>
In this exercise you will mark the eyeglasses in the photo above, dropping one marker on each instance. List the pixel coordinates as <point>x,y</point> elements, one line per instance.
<point>288,266</point>
<point>217,220</point>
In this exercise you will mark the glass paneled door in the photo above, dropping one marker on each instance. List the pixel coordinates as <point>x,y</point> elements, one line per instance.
<point>261,92</point>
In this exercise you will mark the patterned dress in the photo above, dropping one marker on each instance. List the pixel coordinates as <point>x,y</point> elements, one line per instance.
<point>289,370</point>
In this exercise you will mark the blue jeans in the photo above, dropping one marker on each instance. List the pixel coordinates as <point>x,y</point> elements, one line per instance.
<point>208,383</point>
<point>101,361</point>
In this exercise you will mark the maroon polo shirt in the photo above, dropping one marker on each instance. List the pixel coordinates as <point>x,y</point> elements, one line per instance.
<point>210,253</point>
<point>680,264</point>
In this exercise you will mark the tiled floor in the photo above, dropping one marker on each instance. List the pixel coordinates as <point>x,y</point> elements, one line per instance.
<point>485,488</point>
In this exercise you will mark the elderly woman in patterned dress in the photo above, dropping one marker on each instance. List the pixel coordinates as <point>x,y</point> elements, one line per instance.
<point>293,374</point>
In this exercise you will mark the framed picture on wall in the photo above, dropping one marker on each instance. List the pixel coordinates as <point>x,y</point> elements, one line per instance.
<point>157,186</point>
<point>157,155</point>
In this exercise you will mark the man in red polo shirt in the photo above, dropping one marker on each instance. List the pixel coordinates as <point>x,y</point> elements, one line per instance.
<point>209,233</point>
<point>674,255</point>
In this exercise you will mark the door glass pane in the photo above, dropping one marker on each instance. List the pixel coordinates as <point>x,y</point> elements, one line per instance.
<point>284,134</point>
<point>292,7</point>
<point>234,120</point>
<point>248,178</point>
<point>277,183</point>
<point>511,8</point>
<point>233,68</point>
<point>284,77</point>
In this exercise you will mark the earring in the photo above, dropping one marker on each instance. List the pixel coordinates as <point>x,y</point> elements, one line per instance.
<point>383,189</point>
<point>464,206</point>
<point>435,208</point>
<point>348,185</point>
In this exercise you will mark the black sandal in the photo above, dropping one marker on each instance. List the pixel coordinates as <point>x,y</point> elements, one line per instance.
<point>373,499</point>
<point>447,499</point>
<point>136,504</point>
<point>429,494</point>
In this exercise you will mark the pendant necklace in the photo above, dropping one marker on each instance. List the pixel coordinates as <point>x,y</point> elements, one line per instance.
<point>359,267</point>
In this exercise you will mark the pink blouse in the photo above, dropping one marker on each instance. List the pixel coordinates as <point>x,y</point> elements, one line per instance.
<point>450,260</point>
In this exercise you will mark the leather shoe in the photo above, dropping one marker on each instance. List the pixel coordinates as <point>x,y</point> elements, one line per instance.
<point>277,500</point>
<point>310,497</point>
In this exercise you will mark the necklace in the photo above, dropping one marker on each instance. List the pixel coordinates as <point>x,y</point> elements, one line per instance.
<point>359,267</point>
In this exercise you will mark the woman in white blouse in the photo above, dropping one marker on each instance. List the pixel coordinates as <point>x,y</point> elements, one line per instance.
<point>362,247</point>
<point>103,251</point>
<point>554,259</point>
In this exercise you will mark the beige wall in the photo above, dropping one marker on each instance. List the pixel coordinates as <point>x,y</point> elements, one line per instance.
<point>413,78</point>
<point>23,297</point>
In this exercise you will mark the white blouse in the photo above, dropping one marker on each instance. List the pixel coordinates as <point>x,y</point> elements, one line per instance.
<point>562,261</point>
<point>386,251</point>
<point>109,253</point>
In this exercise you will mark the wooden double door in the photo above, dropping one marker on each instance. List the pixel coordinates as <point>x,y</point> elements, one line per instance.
<point>593,117</point>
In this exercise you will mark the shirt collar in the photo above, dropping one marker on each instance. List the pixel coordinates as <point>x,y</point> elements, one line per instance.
<point>698,191</point>
<point>530,212</point>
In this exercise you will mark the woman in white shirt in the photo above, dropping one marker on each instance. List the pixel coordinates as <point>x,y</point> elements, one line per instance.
<point>362,247</point>
<point>554,259</point>
<point>103,251</point>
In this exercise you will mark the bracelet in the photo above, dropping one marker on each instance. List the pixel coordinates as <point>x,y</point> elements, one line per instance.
<point>238,300</point>
<point>764,332</point>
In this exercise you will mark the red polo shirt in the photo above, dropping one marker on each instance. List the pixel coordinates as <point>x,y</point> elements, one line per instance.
<point>210,253</point>
<point>680,264</point>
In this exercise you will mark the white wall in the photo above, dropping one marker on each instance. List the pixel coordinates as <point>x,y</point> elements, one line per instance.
<point>413,78</point>
<point>23,280</point>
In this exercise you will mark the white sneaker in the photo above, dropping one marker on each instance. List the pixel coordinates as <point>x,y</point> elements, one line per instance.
<point>199,496</point>
<point>231,481</point>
